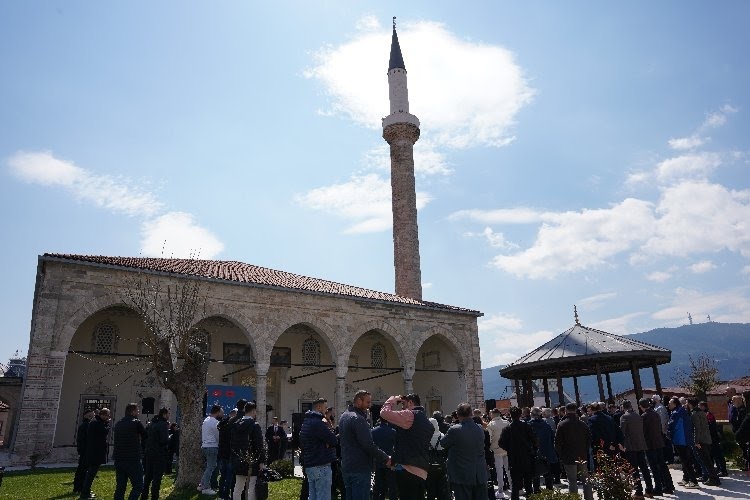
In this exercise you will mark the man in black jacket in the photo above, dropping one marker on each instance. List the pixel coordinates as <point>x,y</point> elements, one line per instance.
<point>518,440</point>
<point>128,440</point>
<point>80,475</point>
<point>248,452</point>
<point>318,443</point>
<point>572,442</point>
<point>155,460</point>
<point>226,481</point>
<point>96,449</point>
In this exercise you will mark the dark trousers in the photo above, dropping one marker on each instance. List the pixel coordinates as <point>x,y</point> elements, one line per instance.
<point>410,487</point>
<point>91,471</point>
<point>80,476</point>
<point>668,450</point>
<point>226,480</point>
<point>153,471</point>
<point>520,478</point>
<point>688,464</point>
<point>469,491</point>
<point>385,484</point>
<point>535,482</point>
<point>637,460</point>
<point>718,455</point>
<point>662,477</point>
<point>704,453</point>
<point>128,470</point>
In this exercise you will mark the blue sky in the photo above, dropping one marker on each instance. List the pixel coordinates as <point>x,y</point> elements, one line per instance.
<point>578,153</point>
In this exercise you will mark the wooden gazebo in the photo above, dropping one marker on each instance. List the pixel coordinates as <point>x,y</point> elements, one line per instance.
<point>582,351</point>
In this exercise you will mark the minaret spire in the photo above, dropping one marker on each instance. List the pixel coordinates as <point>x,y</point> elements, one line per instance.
<point>401,131</point>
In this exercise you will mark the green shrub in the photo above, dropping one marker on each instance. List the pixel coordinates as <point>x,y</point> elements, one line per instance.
<point>613,478</point>
<point>728,443</point>
<point>555,495</point>
<point>285,468</point>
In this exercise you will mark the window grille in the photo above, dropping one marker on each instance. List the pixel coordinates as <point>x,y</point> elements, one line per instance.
<point>311,352</point>
<point>378,356</point>
<point>105,338</point>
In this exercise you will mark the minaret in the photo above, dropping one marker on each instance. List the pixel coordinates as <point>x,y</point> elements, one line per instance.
<point>401,131</point>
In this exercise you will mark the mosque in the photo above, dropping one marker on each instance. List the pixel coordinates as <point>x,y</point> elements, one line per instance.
<point>289,338</point>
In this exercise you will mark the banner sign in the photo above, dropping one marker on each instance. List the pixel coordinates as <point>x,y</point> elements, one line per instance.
<point>226,396</point>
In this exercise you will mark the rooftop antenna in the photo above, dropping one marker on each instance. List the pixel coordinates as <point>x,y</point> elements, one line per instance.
<point>575,314</point>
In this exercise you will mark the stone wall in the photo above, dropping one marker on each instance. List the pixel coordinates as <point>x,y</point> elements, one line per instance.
<point>67,295</point>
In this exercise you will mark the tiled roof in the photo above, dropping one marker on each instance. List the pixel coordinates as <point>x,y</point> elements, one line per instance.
<point>239,272</point>
<point>581,344</point>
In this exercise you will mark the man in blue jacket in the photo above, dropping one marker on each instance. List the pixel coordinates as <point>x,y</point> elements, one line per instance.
<point>467,469</point>
<point>680,430</point>
<point>318,443</point>
<point>357,448</point>
<point>384,436</point>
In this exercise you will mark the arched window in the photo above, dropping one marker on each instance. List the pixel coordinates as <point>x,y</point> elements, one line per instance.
<point>378,356</point>
<point>104,339</point>
<point>311,352</point>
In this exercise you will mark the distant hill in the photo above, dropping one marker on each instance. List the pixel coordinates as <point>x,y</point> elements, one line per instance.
<point>727,343</point>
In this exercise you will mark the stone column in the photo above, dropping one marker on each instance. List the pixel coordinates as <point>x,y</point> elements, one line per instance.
<point>408,380</point>
<point>261,381</point>
<point>401,138</point>
<point>340,391</point>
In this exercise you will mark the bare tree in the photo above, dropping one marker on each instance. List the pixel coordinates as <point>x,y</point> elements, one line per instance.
<point>702,376</point>
<point>179,353</point>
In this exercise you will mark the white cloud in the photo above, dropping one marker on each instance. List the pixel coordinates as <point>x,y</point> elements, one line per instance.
<point>658,276</point>
<point>691,142</point>
<point>718,118</point>
<point>690,217</point>
<point>458,108</point>
<point>574,241</point>
<point>702,267</point>
<point>619,325</point>
<point>746,270</point>
<point>368,23</point>
<point>518,215</point>
<point>726,306</point>
<point>691,166</point>
<point>595,301</point>
<point>176,234</point>
<point>503,340</point>
<point>495,240</point>
<point>115,194</point>
<point>364,199</point>
<point>172,234</point>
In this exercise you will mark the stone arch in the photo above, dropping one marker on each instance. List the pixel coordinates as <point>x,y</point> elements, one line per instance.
<point>394,336</point>
<point>450,338</point>
<point>324,330</point>
<point>62,340</point>
<point>240,320</point>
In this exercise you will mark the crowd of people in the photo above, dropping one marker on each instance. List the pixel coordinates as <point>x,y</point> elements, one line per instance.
<point>412,455</point>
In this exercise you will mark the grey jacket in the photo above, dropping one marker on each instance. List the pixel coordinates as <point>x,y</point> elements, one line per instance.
<point>631,426</point>
<point>700,426</point>
<point>465,445</point>
<point>357,447</point>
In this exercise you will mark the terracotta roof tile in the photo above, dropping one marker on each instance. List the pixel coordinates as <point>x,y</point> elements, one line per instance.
<point>240,272</point>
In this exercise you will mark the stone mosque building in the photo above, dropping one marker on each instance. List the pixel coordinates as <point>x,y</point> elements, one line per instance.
<point>291,338</point>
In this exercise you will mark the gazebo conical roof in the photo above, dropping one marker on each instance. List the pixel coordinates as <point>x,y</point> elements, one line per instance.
<point>577,351</point>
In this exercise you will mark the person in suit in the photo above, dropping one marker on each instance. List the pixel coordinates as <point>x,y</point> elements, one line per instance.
<point>518,440</point>
<point>96,449</point>
<point>572,443</point>
<point>81,447</point>
<point>384,437</point>
<point>156,454</point>
<point>276,439</point>
<point>467,470</point>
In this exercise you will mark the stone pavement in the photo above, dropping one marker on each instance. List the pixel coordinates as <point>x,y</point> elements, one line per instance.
<point>735,486</point>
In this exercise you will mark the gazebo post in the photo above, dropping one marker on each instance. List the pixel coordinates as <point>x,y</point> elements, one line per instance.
<point>657,380</point>
<point>518,392</point>
<point>546,393</point>
<point>578,395</point>
<point>599,380</point>
<point>609,388</point>
<point>636,380</point>
<point>560,396</point>
<point>529,393</point>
